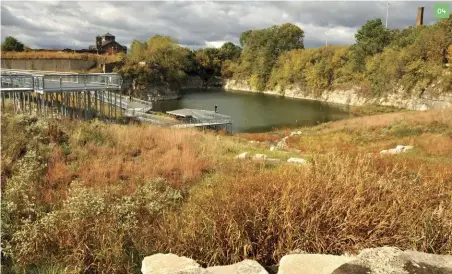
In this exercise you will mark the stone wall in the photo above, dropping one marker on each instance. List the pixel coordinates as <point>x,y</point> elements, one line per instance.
<point>426,100</point>
<point>63,65</point>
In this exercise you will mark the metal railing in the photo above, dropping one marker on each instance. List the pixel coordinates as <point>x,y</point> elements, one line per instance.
<point>61,82</point>
<point>22,82</point>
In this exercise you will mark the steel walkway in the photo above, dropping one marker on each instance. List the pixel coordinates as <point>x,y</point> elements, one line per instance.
<point>103,86</point>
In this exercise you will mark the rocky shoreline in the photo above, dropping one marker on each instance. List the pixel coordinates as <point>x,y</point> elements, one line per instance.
<point>424,101</point>
<point>381,260</point>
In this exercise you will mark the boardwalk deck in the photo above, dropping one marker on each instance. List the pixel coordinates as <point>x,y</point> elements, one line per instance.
<point>202,118</point>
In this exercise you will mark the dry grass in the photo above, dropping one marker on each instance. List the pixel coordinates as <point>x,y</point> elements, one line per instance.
<point>102,206</point>
<point>409,117</point>
<point>106,154</point>
<point>57,55</point>
<point>262,137</point>
<point>342,203</point>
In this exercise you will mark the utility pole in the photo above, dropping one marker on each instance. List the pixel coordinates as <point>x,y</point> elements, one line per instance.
<point>387,14</point>
<point>326,39</point>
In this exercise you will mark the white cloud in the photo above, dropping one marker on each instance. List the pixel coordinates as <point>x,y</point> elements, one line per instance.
<point>194,24</point>
<point>215,44</point>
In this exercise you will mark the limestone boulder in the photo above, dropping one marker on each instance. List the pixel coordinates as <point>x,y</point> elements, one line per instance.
<point>273,148</point>
<point>386,260</point>
<point>311,263</point>
<point>299,161</point>
<point>243,155</point>
<point>170,264</point>
<point>398,149</point>
<point>243,267</point>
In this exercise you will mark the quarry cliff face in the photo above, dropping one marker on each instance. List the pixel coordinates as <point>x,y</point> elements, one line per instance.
<point>400,99</point>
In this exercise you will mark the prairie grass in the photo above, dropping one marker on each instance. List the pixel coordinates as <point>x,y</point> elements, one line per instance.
<point>57,55</point>
<point>98,198</point>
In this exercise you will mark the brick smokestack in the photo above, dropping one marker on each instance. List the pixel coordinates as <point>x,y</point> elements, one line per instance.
<point>420,16</point>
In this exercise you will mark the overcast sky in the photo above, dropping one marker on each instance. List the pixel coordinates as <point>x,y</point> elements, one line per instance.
<point>194,24</point>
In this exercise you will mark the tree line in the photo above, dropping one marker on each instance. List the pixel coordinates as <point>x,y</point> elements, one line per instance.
<point>380,61</point>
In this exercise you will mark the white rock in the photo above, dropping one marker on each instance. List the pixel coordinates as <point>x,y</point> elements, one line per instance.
<point>259,157</point>
<point>311,263</point>
<point>170,264</point>
<point>281,144</point>
<point>299,132</point>
<point>386,260</point>
<point>297,161</point>
<point>252,142</point>
<point>400,147</point>
<point>244,267</point>
<point>273,148</point>
<point>243,155</point>
<point>390,151</point>
<point>397,150</point>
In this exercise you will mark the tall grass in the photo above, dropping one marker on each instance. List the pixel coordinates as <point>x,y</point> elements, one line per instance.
<point>98,198</point>
<point>58,55</point>
<point>342,203</point>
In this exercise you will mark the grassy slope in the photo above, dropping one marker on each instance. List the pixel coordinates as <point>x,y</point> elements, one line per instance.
<point>107,195</point>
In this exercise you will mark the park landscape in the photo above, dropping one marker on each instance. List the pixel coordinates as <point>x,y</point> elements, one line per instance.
<point>95,197</point>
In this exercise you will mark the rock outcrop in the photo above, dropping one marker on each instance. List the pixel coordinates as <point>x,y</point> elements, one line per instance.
<point>423,101</point>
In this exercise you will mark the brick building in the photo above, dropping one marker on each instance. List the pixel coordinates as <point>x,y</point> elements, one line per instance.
<point>107,44</point>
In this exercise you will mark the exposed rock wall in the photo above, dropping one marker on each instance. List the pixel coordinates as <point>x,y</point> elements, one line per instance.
<point>425,101</point>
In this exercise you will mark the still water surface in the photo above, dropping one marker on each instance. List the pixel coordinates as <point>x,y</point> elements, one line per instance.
<point>256,112</point>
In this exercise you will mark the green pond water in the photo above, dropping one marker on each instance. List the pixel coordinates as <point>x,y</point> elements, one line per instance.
<point>256,112</point>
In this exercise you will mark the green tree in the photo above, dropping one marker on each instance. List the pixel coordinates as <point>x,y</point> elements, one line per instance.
<point>371,39</point>
<point>262,48</point>
<point>244,36</point>
<point>164,62</point>
<point>229,51</point>
<point>208,64</point>
<point>137,50</point>
<point>12,44</point>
